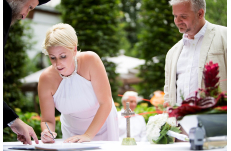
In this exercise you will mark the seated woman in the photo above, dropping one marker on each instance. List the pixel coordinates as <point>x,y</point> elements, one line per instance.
<point>76,84</point>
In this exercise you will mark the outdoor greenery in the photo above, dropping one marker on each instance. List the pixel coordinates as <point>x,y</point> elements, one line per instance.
<point>142,28</point>
<point>159,34</point>
<point>130,10</point>
<point>15,58</point>
<point>216,12</point>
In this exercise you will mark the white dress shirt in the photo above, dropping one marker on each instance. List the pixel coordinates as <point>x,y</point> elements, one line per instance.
<point>137,127</point>
<point>187,66</point>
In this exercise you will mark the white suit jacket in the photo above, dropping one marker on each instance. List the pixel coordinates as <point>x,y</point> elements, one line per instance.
<point>213,48</point>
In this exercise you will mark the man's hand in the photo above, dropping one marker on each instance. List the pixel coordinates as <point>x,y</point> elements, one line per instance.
<point>24,132</point>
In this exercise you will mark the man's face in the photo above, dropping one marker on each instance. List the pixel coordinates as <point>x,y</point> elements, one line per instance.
<point>132,103</point>
<point>20,8</point>
<point>185,18</point>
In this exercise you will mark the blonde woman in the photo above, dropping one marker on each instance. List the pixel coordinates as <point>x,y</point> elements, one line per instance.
<point>76,84</point>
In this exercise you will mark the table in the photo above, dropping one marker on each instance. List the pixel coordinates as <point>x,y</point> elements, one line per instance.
<point>116,145</point>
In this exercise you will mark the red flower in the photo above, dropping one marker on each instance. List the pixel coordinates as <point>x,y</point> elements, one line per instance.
<point>212,98</point>
<point>192,105</point>
<point>210,78</point>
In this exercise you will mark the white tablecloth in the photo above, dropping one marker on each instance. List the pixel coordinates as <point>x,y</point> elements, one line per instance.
<point>116,145</point>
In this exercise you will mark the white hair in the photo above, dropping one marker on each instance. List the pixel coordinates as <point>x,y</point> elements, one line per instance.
<point>129,94</point>
<point>196,4</point>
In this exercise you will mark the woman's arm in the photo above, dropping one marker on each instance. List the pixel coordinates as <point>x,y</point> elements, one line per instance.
<point>47,107</point>
<point>102,89</point>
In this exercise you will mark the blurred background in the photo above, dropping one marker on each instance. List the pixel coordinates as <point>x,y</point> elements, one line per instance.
<point>132,38</point>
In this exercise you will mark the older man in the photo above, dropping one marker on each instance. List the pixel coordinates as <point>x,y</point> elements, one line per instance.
<point>138,125</point>
<point>14,10</point>
<point>202,42</point>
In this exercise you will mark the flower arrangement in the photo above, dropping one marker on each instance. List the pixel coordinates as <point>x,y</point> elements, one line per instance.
<point>161,129</point>
<point>208,100</point>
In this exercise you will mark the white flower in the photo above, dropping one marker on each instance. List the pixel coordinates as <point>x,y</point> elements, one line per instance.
<point>172,121</point>
<point>153,134</point>
<point>154,125</point>
<point>158,120</point>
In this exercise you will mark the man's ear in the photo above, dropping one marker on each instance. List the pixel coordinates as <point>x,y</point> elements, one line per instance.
<point>201,13</point>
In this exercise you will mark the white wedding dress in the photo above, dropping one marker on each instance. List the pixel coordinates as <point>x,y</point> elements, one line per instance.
<point>77,102</point>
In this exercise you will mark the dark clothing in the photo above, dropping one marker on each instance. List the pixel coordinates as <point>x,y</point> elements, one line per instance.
<point>7,16</point>
<point>8,114</point>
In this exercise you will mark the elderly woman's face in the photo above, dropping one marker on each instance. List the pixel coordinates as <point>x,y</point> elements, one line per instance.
<point>132,103</point>
<point>62,59</point>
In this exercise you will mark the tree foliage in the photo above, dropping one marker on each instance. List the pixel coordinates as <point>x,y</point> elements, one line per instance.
<point>15,58</point>
<point>216,12</point>
<point>96,24</point>
<point>130,9</point>
<point>159,34</point>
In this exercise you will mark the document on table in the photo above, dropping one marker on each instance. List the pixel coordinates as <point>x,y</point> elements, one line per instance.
<point>66,146</point>
<point>58,145</point>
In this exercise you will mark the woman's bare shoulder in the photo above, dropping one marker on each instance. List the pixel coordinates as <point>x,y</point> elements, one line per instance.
<point>88,57</point>
<point>86,61</point>
<point>88,54</point>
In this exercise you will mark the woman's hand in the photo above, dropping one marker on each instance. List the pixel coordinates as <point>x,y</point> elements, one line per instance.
<point>46,136</point>
<point>78,139</point>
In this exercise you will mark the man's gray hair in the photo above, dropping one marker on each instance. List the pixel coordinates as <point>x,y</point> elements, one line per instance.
<point>196,4</point>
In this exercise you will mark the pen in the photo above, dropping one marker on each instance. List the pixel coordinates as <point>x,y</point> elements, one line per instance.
<point>49,130</point>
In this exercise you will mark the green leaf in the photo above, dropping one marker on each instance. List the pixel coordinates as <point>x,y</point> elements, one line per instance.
<point>163,140</point>
<point>175,129</point>
<point>165,128</point>
<point>163,133</point>
<point>170,140</point>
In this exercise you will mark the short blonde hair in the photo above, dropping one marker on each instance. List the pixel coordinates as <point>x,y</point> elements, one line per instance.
<point>60,35</point>
<point>129,94</point>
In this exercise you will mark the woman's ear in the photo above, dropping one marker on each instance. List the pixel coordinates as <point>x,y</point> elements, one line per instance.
<point>75,51</point>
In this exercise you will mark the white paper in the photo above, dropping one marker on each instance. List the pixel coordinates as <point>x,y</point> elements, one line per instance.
<point>64,146</point>
<point>59,145</point>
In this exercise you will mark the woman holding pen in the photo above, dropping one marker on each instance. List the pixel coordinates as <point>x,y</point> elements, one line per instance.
<point>76,84</point>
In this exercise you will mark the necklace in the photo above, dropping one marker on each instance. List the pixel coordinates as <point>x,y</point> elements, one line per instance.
<point>76,65</point>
